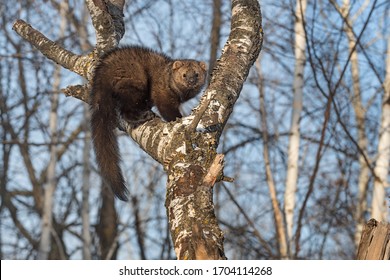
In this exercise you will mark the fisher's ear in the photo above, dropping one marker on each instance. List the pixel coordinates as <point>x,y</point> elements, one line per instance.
<point>203,65</point>
<point>177,64</point>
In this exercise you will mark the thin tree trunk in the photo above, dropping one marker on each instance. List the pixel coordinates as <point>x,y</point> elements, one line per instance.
<point>215,33</point>
<point>85,207</point>
<point>357,104</point>
<point>293,147</point>
<point>50,186</point>
<point>362,142</point>
<point>86,230</point>
<point>47,214</point>
<point>278,215</point>
<point>382,167</point>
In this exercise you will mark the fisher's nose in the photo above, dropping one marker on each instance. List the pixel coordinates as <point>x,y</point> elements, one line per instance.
<point>192,79</point>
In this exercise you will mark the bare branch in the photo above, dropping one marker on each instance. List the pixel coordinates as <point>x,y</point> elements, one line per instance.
<point>52,50</point>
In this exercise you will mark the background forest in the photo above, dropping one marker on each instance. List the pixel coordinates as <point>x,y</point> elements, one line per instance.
<point>307,143</point>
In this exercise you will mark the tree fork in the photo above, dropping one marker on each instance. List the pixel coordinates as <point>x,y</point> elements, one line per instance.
<point>186,147</point>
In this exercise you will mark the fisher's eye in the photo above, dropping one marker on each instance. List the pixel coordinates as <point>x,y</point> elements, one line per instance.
<point>184,75</point>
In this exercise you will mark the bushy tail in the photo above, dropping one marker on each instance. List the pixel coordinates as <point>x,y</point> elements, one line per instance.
<point>103,120</point>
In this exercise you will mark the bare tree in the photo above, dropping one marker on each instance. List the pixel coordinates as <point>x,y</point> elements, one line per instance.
<point>278,216</point>
<point>46,232</point>
<point>359,110</point>
<point>294,139</point>
<point>87,222</point>
<point>189,155</point>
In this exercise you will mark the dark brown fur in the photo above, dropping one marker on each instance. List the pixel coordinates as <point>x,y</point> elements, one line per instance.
<point>134,79</point>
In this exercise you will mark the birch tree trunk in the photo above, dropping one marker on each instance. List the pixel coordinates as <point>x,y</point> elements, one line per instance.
<point>190,158</point>
<point>294,138</point>
<point>48,195</point>
<point>382,167</point>
<point>50,186</point>
<point>185,147</point>
<point>356,99</point>
<point>85,205</point>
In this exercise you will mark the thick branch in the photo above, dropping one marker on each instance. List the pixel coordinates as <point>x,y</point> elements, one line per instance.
<point>188,152</point>
<point>195,166</point>
<point>52,50</point>
<point>239,54</point>
<point>107,19</point>
<point>210,116</point>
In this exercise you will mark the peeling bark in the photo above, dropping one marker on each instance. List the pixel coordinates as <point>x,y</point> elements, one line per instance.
<point>194,227</point>
<point>190,209</point>
<point>107,19</point>
<point>187,147</point>
<point>375,241</point>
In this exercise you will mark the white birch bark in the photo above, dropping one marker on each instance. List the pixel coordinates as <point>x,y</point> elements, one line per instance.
<point>50,186</point>
<point>85,206</point>
<point>382,167</point>
<point>293,146</point>
<point>356,99</point>
<point>46,223</point>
